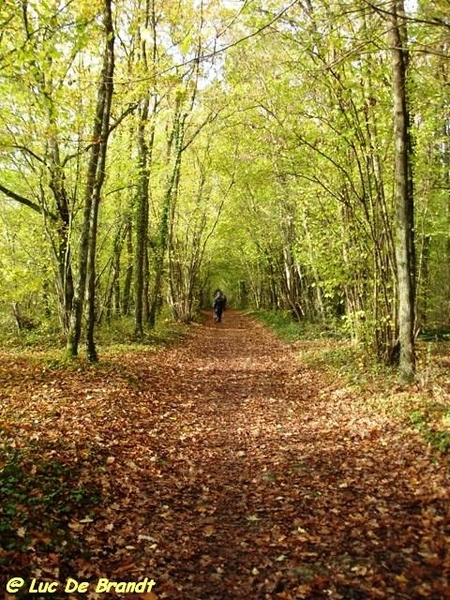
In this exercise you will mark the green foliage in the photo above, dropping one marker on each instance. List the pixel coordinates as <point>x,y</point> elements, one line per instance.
<point>41,494</point>
<point>291,330</point>
<point>44,334</point>
<point>114,335</point>
<point>119,333</point>
<point>433,422</point>
<point>282,191</point>
<point>281,324</point>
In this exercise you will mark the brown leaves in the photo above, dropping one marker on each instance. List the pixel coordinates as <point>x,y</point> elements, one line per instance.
<point>224,468</point>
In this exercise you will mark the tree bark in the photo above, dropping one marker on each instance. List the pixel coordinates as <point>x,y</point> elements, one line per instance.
<point>95,178</point>
<point>104,112</point>
<point>141,219</point>
<point>126,298</point>
<point>145,141</point>
<point>175,146</point>
<point>403,193</point>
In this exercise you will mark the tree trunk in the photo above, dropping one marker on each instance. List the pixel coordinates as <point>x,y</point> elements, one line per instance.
<point>403,194</point>
<point>104,106</point>
<point>165,225</point>
<point>95,178</point>
<point>62,251</point>
<point>145,141</point>
<point>126,299</point>
<point>141,219</point>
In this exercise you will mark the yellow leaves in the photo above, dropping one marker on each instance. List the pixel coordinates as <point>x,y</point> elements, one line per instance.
<point>148,596</point>
<point>252,518</point>
<point>86,520</point>
<point>186,44</point>
<point>301,591</point>
<point>76,526</point>
<point>86,10</point>
<point>209,530</point>
<point>79,525</point>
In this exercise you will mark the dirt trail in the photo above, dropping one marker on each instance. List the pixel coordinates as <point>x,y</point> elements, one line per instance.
<point>233,473</point>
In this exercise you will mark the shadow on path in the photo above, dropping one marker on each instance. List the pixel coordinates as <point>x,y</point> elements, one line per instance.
<point>233,473</point>
<point>273,487</point>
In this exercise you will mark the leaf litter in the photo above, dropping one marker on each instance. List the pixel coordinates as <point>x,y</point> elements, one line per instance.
<point>222,468</point>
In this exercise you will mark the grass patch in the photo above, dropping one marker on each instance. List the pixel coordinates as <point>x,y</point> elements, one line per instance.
<point>114,338</point>
<point>433,422</point>
<point>121,333</point>
<point>423,405</point>
<point>47,337</point>
<point>282,324</point>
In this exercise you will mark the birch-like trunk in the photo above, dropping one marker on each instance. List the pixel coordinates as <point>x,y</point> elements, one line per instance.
<point>403,193</point>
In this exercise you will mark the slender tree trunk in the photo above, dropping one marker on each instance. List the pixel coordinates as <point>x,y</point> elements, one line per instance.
<point>176,138</point>
<point>141,220</point>
<point>145,141</point>
<point>63,254</point>
<point>116,276</point>
<point>403,194</point>
<point>95,178</point>
<point>126,300</point>
<point>111,303</point>
<point>104,101</point>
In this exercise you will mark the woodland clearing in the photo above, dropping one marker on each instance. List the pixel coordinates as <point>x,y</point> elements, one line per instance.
<point>222,468</point>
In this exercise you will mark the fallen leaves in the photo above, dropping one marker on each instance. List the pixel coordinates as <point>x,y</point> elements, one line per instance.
<point>221,469</point>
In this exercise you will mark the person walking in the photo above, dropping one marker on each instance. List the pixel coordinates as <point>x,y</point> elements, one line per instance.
<point>219,304</point>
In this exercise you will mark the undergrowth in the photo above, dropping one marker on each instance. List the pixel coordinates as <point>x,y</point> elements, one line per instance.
<point>424,405</point>
<point>41,495</point>
<point>114,337</point>
<point>291,330</point>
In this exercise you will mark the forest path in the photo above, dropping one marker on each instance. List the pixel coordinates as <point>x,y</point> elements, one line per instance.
<point>232,472</point>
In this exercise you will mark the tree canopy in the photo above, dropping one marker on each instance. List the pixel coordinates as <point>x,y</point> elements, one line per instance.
<point>154,150</point>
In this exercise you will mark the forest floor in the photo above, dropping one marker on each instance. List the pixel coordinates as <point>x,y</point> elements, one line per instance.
<point>222,468</point>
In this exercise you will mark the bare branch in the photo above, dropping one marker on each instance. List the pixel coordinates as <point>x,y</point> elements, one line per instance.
<point>22,200</point>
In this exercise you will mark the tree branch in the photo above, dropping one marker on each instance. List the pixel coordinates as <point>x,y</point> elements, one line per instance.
<point>28,151</point>
<point>216,52</point>
<point>22,200</point>
<point>435,22</point>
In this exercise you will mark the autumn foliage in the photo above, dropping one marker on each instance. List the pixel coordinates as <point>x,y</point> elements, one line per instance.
<point>223,468</point>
